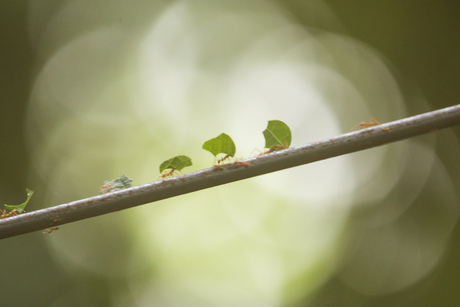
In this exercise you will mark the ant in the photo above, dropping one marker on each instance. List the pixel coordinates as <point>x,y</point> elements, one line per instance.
<point>242,163</point>
<point>372,122</point>
<point>226,157</point>
<point>50,230</point>
<point>277,147</point>
<point>5,214</point>
<point>223,159</point>
<point>273,149</point>
<point>167,174</point>
<point>220,161</point>
<point>105,187</point>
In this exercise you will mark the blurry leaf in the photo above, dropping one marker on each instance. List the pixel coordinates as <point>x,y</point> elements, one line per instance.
<point>21,207</point>
<point>220,144</point>
<point>176,163</point>
<point>117,184</point>
<point>277,135</point>
<point>125,181</point>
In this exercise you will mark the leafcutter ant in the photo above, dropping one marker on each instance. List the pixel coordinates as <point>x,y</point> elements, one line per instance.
<point>5,214</point>
<point>50,230</point>
<point>276,148</point>
<point>372,122</point>
<point>105,187</point>
<point>242,163</point>
<point>226,157</point>
<point>167,173</point>
<point>219,161</point>
<point>273,149</point>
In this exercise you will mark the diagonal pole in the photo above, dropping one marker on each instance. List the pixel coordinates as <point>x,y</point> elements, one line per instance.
<point>211,177</point>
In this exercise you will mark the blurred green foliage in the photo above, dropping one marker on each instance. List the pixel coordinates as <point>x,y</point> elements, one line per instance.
<point>419,38</point>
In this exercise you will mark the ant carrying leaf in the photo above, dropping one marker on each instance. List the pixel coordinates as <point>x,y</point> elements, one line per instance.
<point>115,185</point>
<point>174,164</point>
<point>224,146</point>
<point>18,209</point>
<point>277,136</point>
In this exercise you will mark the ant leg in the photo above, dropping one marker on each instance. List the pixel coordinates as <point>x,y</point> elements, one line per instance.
<point>375,121</point>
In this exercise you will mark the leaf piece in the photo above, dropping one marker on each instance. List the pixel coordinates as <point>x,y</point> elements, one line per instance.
<point>176,163</point>
<point>115,185</point>
<point>277,135</point>
<point>20,208</point>
<point>220,144</point>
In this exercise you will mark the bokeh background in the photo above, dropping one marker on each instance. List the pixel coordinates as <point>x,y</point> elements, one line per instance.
<point>93,90</point>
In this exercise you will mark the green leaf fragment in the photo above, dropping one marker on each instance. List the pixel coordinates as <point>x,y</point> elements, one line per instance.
<point>277,135</point>
<point>20,208</point>
<point>125,181</point>
<point>220,144</point>
<point>176,163</point>
<point>117,184</point>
